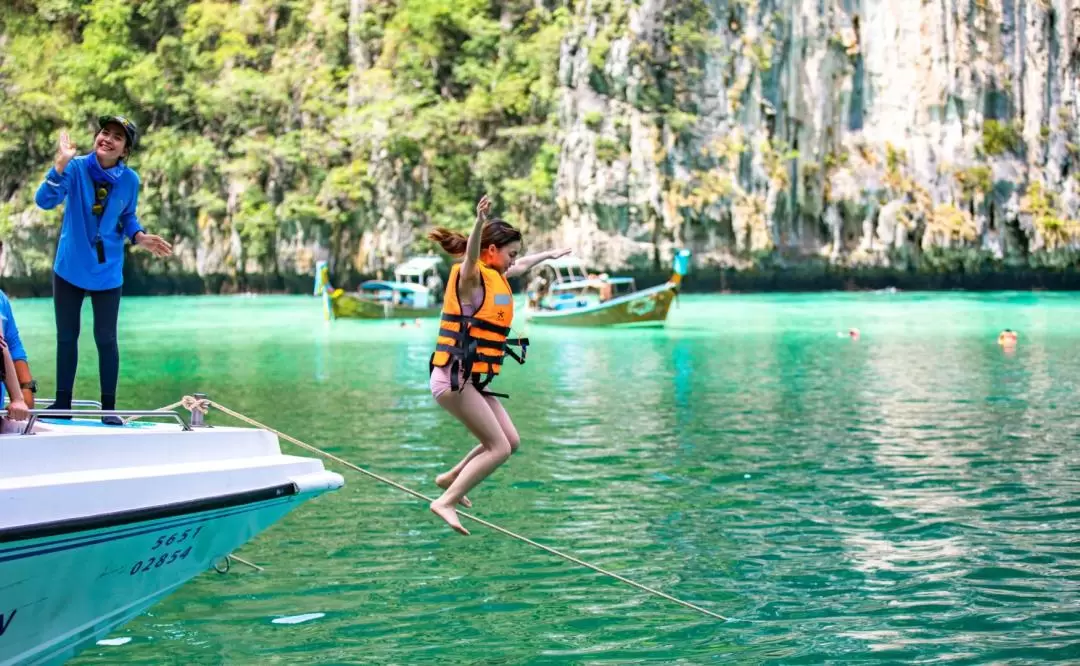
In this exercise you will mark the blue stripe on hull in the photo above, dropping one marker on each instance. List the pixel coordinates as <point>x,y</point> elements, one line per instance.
<point>47,545</point>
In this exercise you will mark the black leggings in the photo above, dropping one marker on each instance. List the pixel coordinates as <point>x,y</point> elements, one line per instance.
<point>67,301</point>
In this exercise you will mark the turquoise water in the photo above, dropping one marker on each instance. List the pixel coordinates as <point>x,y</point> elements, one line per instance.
<point>910,497</point>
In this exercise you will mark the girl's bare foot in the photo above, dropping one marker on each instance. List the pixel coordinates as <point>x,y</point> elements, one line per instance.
<point>448,514</point>
<point>444,480</point>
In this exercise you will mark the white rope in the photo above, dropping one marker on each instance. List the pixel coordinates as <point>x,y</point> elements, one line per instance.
<point>241,560</point>
<point>202,405</point>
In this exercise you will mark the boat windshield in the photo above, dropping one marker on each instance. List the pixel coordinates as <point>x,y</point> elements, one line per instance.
<point>398,293</point>
<point>561,283</point>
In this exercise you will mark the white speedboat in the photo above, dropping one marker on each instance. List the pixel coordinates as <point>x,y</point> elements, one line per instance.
<point>97,523</point>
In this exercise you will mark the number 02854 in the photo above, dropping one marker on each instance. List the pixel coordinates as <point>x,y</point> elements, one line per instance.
<point>165,557</point>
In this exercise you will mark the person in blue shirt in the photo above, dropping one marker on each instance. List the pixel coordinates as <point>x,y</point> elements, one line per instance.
<point>9,334</point>
<point>14,353</point>
<point>101,194</point>
<point>16,409</point>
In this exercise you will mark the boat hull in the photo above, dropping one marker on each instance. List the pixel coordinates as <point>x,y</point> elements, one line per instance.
<point>644,308</point>
<point>349,306</point>
<point>62,588</point>
<point>99,522</point>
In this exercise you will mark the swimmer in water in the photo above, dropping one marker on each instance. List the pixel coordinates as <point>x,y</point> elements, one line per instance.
<point>1007,338</point>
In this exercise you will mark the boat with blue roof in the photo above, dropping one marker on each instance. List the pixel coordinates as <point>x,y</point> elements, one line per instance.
<point>415,292</point>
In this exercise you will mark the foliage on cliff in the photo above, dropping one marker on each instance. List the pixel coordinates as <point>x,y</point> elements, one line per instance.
<point>274,126</point>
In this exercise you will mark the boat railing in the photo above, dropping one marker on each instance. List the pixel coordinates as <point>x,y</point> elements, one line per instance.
<point>74,403</point>
<point>35,414</point>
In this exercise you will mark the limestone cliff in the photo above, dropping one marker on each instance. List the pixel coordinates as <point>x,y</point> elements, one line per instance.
<point>870,133</point>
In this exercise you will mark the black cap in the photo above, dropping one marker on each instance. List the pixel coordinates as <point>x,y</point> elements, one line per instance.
<point>130,128</point>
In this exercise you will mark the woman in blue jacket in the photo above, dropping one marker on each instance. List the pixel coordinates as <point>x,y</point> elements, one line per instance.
<point>101,194</point>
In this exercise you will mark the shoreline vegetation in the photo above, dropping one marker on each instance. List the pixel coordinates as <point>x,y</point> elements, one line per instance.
<point>800,278</point>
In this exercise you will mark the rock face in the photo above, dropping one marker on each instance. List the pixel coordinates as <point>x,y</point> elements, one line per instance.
<point>868,133</point>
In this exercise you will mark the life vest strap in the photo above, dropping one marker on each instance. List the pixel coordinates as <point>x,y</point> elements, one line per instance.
<point>481,382</point>
<point>473,321</point>
<point>516,342</point>
<point>456,335</point>
<point>465,322</point>
<point>467,361</point>
<point>489,327</point>
<point>454,384</point>
<point>453,350</point>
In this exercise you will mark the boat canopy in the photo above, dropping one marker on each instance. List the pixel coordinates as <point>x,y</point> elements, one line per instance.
<point>417,266</point>
<point>564,263</point>
<point>576,285</point>
<point>387,285</point>
<point>580,285</point>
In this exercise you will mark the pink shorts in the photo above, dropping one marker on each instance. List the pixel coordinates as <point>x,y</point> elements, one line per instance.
<point>440,380</point>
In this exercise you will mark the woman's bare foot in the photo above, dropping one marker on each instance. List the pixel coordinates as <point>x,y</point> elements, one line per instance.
<point>448,514</point>
<point>444,480</point>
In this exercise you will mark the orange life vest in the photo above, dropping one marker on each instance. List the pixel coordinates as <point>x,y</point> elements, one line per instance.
<point>477,344</point>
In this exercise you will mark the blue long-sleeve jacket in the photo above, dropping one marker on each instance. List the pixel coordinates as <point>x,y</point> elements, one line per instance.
<point>76,258</point>
<point>11,336</point>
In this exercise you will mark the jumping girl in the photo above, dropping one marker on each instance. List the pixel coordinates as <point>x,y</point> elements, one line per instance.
<point>478,310</point>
